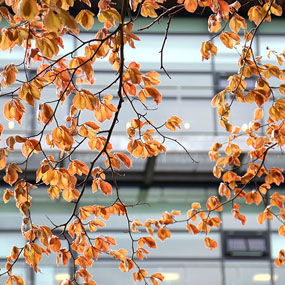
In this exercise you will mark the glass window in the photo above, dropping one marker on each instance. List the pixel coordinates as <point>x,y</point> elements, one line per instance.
<point>181,245</point>
<point>178,272</point>
<point>17,55</point>
<point>9,240</point>
<point>249,273</point>
<point>277,243</point>
<point>230,223</point>
<point>279,275</point>
<point>274,43</point>
<point>20,269</point>
<point>227,59</point>
<point>52,275</point>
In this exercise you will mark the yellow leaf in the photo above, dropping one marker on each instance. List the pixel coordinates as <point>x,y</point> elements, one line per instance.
<point>109,17</point>
<point>226,40</point>
<point>100,113</point>
<point>54,192</point>
<point>66,4</point>
<point>213,24</point>
<point>28,9</point>
<point>5,41</point>
<point>257,14</point>
<point>79,101</point>
<point>52,21</point>
<point>86,19</point>
<point>7,195</point>
<point>9,281</point>
<point>67,194</point>
<point>282,89</point>
<point>28,92</point>
<point>47,47</point>
<point>148,9</point>
<point>68,20</point>
<point>276,9</point>
<point>206,48</point>
<point>237,22</point>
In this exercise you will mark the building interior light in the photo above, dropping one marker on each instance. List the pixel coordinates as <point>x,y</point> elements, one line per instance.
<point>264,277</point>
<point>244,127</point>
<point>11,125</point>
<point>62,276</point>
<point>171,276</point>
<point>187,126</point>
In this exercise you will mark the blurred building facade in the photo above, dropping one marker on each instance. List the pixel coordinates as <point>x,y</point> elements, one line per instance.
<point>171,181</point>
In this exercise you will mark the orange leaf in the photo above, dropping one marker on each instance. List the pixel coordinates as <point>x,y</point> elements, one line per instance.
<point>210,243</point>
<point>126,160</point>
<point>191,5</point>
<point>281,230</point>
<point>31,146</point>
<point>14,109</point>
<point>93,126</point>
<point>206,48</point>
<point>54,243</point>
<point>192,229</point>
<point>46,114</point>
<point>9,281</point>
<point>261,217</point>
<point>11,173</point>
<point>154,93</point>
<point>163,233</point>
<point>147,240</point>
<point>258,114</point>
<point>158,276</point>
<point>173,122</point>
<point>224,190</point>
<point>9,75</point>
<point>105,187</point>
